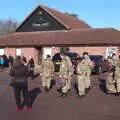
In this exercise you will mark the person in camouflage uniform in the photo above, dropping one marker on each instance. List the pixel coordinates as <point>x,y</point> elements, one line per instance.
<point>65,74</point>
<point>113,78</point>
<point>46,72</point>
<point>84,74</point>
<point>117,77</point>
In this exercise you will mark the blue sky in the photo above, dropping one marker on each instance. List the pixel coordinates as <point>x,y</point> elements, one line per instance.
<point>97,13</point>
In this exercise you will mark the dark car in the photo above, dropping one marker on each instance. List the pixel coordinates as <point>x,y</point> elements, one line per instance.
<point>72,55</point>
<point>97,59</point>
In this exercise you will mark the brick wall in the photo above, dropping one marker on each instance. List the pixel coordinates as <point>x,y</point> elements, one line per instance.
<point>27,52</point>
<point>33,52</point>
<point>90,50</point>
<point>11,51</point>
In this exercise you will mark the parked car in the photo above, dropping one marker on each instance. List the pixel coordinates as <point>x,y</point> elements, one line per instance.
<point>97,59</point>
<point>73,55</point>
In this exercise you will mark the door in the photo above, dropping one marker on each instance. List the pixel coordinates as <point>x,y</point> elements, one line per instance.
<point>47,51</point>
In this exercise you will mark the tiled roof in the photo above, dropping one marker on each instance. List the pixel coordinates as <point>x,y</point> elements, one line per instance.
<point>90,37</point>
<point>68,20</point>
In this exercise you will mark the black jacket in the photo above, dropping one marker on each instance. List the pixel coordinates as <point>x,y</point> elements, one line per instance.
<point>19,73</point>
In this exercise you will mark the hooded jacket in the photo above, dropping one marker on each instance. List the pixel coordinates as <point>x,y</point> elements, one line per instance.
<point>19,73</point>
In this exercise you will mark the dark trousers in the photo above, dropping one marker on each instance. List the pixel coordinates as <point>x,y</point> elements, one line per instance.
<point>31,73</point>
<point>57,67</point>
<point>24,91</point>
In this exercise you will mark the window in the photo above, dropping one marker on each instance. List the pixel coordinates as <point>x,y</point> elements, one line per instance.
<point>18,52</point>
<point>2,51</point>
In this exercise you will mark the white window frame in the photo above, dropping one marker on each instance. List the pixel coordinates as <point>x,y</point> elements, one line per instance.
<point>2,51</point>
<point>18,51</point>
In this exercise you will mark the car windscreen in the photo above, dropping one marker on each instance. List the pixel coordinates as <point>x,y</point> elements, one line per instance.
<point>96,59</point>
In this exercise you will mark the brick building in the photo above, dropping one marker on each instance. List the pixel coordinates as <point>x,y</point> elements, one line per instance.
<point>45,30</point>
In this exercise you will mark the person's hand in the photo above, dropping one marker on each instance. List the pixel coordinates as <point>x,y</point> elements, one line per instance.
<point>93,64</point>
<point>52,75</point>
<point>60,76</point>
<point>64,76</point>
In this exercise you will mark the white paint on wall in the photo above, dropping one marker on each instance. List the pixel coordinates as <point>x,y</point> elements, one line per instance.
<point>18,52</point>
<point>2,51</point>
<point>47,51</point>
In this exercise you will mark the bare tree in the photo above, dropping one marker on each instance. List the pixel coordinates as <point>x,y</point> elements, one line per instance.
<point>72,14</point>
<point>7,26</point>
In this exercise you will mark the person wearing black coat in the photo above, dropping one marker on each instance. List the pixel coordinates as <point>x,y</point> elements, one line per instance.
<point>11,60</point>
<point>19,81</point>
<point>6,61</point>
<point>31,66</point>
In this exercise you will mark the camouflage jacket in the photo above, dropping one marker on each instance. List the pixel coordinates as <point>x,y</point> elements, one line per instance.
<point>84,65</point>
<point>117,67</point>
<point>112,64</point>
<point>66,66</point>
<point>47,68</point>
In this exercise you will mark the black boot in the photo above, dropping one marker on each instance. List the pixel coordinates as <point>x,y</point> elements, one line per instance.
<point>48,89</point>
<point>45,89</point>
<point>59,90</point>
<point>87,90</point>
<point>117,94</point>
<point>80,96</point>
<point>63,95</point>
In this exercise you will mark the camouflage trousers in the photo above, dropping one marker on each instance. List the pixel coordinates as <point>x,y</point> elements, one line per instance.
<point>46,81</point>
<point>67,86</point>
<point>110,84</point>
<point>117,79</point>
<point>87,78</point>
<point>83,81</point>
